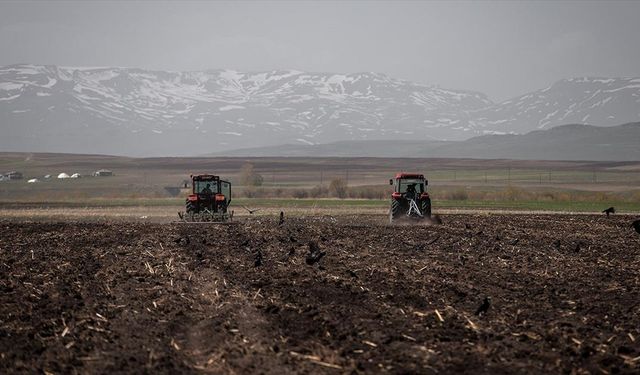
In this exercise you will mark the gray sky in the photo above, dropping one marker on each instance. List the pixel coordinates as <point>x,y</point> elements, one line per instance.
<point>500,48</point>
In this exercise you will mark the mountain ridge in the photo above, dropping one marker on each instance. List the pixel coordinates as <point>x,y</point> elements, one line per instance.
<point>567,142</point>
<point>139,112</point>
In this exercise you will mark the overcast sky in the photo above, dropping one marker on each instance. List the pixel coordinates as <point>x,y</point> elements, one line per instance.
<point>500,48</point>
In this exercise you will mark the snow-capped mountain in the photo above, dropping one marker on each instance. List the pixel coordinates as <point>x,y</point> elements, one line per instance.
<point>142,112</point>
<point>595,101</point>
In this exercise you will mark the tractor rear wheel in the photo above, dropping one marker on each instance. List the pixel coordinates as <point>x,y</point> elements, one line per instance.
<point>395,211</point>
<point>426,207</point>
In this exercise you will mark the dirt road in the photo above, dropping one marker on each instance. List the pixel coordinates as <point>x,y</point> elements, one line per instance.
<point>81,297</point>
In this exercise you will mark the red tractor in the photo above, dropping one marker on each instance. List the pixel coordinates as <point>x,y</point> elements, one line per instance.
<point>209,199</point>
<point>409,198</point>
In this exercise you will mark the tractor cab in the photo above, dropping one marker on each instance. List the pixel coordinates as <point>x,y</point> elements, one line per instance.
<point>409,183</point>
<point>410,197</point>
<point>209,185</point>
<point>210,196</point>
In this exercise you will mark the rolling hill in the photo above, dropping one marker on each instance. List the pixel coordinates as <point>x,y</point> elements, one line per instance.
<point>567,142</point>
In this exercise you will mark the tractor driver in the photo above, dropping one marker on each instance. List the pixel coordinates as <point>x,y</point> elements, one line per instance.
<point>411,191</point>
<point>207,190</point>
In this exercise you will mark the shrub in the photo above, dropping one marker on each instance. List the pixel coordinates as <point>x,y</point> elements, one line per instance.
<point>459,195</point>
<point>319,192</point>
<point>300,193</point>
<point>368,192</point>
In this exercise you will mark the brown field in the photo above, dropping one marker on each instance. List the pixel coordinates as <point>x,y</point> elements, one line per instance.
<point>297,177</point>
<point>112,297</point>
<point>97,277</point>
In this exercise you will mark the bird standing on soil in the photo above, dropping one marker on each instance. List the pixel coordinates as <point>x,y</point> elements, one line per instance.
<point>315,254</point>
<point>183,241</point>
<point>258,259</point>
<point>610,210</point>
<point>461,259</point>
<point>484,307</point>
<point>281,218</point>
<point>636,225</point>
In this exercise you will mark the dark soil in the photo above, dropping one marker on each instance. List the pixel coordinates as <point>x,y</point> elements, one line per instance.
<point>172,298</point>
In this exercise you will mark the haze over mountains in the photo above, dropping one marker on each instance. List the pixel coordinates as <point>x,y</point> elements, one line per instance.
<point>137,112</point>
<point>566,142</point>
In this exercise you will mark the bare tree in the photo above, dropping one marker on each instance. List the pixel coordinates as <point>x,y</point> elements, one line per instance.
<point>338,188</point>
<point>249,177</point>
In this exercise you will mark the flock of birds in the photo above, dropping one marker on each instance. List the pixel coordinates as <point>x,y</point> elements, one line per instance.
<point>315,254</point>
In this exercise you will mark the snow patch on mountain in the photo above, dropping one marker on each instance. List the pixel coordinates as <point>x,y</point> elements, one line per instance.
<point>215,108</point>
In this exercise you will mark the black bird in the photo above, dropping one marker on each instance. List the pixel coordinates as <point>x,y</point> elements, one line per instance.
<point>315,254</point>
<point>281,218</point>
<point>250,211</point>
<point>182,240</point>
<point>461,259</point>
<point>636,225</point>
<point>258,259</point>
<point>484,307</point>
<point>609,211</point>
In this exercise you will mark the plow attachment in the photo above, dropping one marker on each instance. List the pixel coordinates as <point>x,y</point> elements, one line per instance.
<point>414,211</point>
<point>205,216</point>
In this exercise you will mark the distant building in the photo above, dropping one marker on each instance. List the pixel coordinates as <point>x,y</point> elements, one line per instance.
<point>103,173</point>
<point>13,176</point>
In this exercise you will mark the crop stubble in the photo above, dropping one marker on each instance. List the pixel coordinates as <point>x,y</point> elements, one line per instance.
<point>81,297</point>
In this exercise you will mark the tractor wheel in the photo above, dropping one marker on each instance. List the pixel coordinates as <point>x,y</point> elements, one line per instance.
<point>426,207</point>
<point>395,211</point>
<point>190,207</point>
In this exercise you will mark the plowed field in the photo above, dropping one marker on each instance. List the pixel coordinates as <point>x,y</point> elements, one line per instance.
<point>81,297</point>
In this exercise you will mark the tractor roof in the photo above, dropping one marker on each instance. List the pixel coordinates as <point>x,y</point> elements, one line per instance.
<point>204,177</point>
<point>409,175</point>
